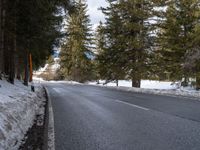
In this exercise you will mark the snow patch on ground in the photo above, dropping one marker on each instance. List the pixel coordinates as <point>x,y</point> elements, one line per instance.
<point>18,109</point>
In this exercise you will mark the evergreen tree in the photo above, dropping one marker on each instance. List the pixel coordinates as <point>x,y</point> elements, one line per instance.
<point>100,47</point>
<point>28,27</point>
<point>112,60</point>
<point>76,52</point>
<point>136,35</point>
<point>175,37</point>
<point>192,61</point>
<point>128,39</point>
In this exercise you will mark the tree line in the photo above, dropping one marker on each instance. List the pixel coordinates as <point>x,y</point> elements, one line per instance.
<point>140,39</point>
<point>29,30</point>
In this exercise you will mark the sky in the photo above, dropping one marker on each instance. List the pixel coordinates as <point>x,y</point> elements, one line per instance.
<point>95,14</point>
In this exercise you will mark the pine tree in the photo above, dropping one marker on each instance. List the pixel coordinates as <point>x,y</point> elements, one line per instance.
<point>76,52</point>
<point>128,39</point>
<point>136,35</point>
<point>36,31</point>
<point>175,38</point>
<point>192,61</point>
<point>100,62</point>
<point>111,58</point>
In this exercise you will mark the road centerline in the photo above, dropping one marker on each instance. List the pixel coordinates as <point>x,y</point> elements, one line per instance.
<point>132,105</point>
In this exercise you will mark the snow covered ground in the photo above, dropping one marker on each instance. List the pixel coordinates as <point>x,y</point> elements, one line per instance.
<point>18,109</point>
<point>147,84</point>
<point>153,87</point>
<point>40,80</point>
<point>53,67</point>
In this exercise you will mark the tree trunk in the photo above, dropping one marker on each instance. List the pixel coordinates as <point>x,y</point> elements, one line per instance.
<point>117,82</point>
<point>26,72</point>
<point>1,37</point>
<point>98,82</point>
<point>2,25</point>
<point>198,81</point>
<point>13,60</point>
<point>185,82</point>
<point>19,68</point>
<point>31,68</point>
<point>12,69</point>
<point>6,55</point>
<point>136,82</point>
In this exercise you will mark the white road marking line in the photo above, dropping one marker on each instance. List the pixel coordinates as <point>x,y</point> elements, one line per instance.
<point>132,105</point>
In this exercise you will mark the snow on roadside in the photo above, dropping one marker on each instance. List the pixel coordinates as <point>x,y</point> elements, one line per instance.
<point>18,109</point>
<point>169,92</point>
<point>67,82</point>
<point>152,87</point>
<point>146,84</point>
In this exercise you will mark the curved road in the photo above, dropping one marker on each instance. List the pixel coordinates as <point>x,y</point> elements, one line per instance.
<point>95,118</point>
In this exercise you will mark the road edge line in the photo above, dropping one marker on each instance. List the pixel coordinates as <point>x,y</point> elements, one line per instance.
<point>50,125</point>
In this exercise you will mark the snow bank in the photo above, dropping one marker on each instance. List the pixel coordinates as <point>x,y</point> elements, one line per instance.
<point>146,84</point>
<point>169,92</point>
<point>41,80</point>
<point>152,87</point>
<point>18,108</point>
<point>37,80</point>
<point>67,82</point>
<point>150,84</point>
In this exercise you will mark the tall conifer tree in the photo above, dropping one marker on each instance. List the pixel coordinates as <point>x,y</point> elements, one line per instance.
<point>113,60</point>
<point>76,52</point>
<point>175,38</point>
<point>136,34</point>
<point>100,58</point>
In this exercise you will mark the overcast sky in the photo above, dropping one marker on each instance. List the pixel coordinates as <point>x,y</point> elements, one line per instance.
<point>95,14</point>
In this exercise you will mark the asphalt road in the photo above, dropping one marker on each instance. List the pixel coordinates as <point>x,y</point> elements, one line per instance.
<point>95,118</point>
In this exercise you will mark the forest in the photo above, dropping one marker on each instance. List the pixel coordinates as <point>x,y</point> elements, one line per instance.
<point>29,30</point>
<point>139,39</point>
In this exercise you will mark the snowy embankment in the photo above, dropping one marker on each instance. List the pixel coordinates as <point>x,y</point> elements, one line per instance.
<point>153,87</point>
<point>18,109</point>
